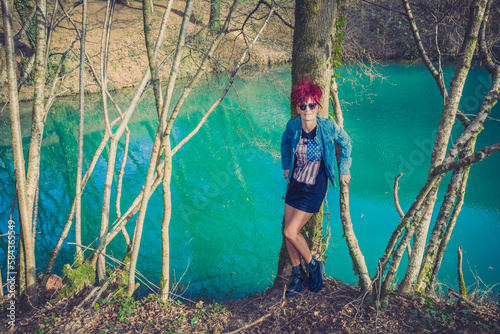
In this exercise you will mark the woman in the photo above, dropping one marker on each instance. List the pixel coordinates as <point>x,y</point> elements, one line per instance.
<point>308,150</point>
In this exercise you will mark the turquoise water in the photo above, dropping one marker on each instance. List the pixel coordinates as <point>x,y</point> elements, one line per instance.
<point>228,186</point>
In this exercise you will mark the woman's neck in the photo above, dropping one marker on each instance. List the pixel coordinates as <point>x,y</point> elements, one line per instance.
<point>308,126</point>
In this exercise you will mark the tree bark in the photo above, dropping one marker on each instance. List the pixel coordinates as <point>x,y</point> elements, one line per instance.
<point>311,58</point>
<point>78,200</point>
<point>120,185</point>
<point>457,83</point>
<point>358,260</point>
<point>168,152</point>
<point>442,219</point>
<point>167,213</point>
<point>440,147</point>
<point>447,235</point>
<point>38,122</point>
<point>3,69</point>
<point>17,152</point>
<point>461,283</point>
<point>155,152</point>
<point>108,182</point>
<point>312,45</point>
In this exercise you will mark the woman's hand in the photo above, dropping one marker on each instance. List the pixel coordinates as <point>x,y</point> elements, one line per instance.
<point>286,175</point>
<point>344,179</point>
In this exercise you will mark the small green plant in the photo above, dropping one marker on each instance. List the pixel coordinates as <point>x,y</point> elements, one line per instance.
<point>432,313</point>
<point>194,321</point>
<point>218,308</point>
<point>125,309</point>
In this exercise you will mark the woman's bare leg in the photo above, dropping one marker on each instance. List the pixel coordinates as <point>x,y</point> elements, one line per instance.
<point>295,243</point>
<point>292,252</point>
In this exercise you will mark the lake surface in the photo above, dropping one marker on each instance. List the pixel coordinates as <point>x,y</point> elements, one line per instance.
<point>228,185</point>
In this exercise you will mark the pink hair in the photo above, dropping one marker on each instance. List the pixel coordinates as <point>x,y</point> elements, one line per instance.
<point>305,89</point>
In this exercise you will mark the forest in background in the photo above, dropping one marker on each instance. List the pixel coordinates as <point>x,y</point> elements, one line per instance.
<point>467,37</point>
<point>374,31</point>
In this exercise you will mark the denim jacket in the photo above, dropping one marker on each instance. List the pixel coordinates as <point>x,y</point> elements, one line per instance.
<point>327,134</point>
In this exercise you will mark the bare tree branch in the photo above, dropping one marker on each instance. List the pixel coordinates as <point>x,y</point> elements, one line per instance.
<point>226,89</point>
<point>467,161</point>
<point>26,24</point>
<point>488,61</point>
<point>288,24</point>
<point>396,199</point>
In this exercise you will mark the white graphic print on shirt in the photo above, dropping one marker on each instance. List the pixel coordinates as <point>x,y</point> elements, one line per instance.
<point>308,161</point>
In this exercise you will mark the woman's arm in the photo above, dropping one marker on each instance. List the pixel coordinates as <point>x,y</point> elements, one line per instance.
<point>345,143</point>
<point>286,175</point>
<point>344,179</point>
<point>285,149</point>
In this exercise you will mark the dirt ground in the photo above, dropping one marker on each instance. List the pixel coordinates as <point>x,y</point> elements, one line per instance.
<point>337,308</point>
<point>127,59</point>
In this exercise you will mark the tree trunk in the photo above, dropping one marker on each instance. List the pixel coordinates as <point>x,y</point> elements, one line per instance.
<point>108,182</point>
<point>419,240</point>
<point>167,213</point>
<point>440,147</point>
<point>156,150</point>
<point>311,58</point>
<point>17,152</point>
<point>358,260</point>
<point>458,181</point>
<point>456,188</point>
<point>461,283</point>
<point>312,45</point>
<point>78,200</point>
<point>38,121</point>
<point>436,264</point>
<point>457,83</point>
<point>3,69</point>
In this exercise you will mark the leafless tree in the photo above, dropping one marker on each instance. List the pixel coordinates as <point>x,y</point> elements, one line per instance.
<point>160,163</point>
<point>417,219</point>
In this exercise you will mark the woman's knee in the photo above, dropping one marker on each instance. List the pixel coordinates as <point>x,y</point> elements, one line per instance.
<point>290,234</point>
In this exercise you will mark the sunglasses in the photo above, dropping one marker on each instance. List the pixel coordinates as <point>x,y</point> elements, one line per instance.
<point>303,107</point>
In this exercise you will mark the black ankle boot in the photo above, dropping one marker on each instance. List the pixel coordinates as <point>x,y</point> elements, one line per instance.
<point>298,280</point>
<point>316,270</point>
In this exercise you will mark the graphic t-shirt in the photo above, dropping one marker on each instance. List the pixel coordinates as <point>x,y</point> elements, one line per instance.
<point>308,182</point>
<point>308,159</point>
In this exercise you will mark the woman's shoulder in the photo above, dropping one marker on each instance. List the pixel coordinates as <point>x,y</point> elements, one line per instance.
<point>293,123</point>
<point>326,121</point>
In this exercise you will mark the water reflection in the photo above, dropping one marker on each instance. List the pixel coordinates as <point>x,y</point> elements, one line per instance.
<point>227,184</point>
